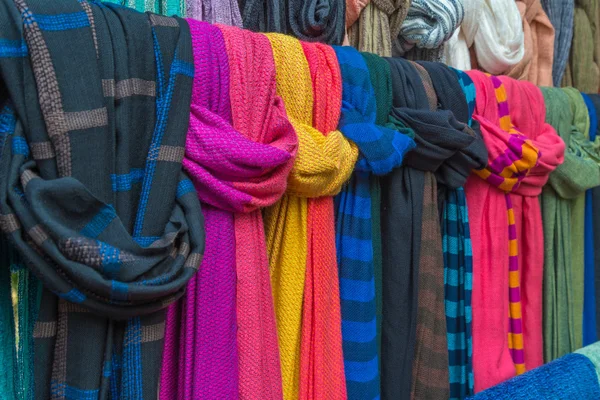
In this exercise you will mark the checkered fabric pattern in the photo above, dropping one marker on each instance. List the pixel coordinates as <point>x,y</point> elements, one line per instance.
<point>92,192</point>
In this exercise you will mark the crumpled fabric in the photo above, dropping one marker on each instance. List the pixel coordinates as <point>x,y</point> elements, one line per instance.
<point>309,20</point>
<point>560,13</point>
<point>563,204</point>
<point>428,25</point>
<point>225,12</point>
<point>378,25</point>
<point>523,150</point>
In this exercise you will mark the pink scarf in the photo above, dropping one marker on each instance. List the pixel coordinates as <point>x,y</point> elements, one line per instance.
<point>523,150</point>
<point>222,339</point>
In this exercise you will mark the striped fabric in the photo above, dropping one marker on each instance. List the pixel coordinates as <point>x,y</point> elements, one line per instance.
<point>499,174</point>
<point>164,7</point>
<point>381,150</point>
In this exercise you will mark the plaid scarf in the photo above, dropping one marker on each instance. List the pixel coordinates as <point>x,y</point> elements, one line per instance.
<point>94,198</point>
<point>381,150</point>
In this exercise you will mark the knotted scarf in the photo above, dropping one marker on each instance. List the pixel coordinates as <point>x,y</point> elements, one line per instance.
<point>595,99</point>
<point>414,285</point>
<point>536,65</point>
<point>563,235</point>
<point>583,70</point>
<point>560,13</point>
<point>381,150</point>
<point>215,11</point>
<point>506,221</point>
<point>497,34</point>
<point>428,24</point>
<point>200,355</point>
<point>322,360</point>
<point>323,164</point>
<point>590,335</point>
<point>94,198</point>
<point>310,20</point>
<point>378,24</point>
<point>164,7</point>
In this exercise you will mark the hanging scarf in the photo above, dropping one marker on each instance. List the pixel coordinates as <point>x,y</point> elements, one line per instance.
<point>583,70</point>
<point>164,7</point>
<point>200,354</point>
<point>322,361</point>
<point>590,335</point>
<point>353,10</point>
<point>560,13</point>
<point>428,24</point>
<point>378,24</point>
<point>456,50</point>
<point>102,257</point>
<point>536,65</point>
<point>310,20</point>
<point>559,200</point>
<point>324,163</point>
<point>596,218</point>
<point>505,225</point>
<point>381,150</point>
<point>215,11</point>
<point>458,272</point>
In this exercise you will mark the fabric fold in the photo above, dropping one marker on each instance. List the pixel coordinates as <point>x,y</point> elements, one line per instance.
<point>225,12</point>
<point>560,13</point>
<point>505,221</point>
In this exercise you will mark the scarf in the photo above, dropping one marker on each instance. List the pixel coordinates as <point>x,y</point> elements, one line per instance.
<point>225,12</point>
<point>115,258</point>
<point>310,20</point>
<point>322,361</point>
<point>596,218</point>
<point>592,352</point>
<point>381,150</point>
<point>560,13</point>
<point>318,171</point>
<point>456,50</point>
<point>590,335</point>
<point>378,24</point>
<point>353,10</point>
<point>164,7</point>
<point>497,32</point>
<point>458,272</point>
<point>560,199</point>
<point>428,24</point>
<point>505,225</point>
<point>572,376</point>
<point>583,70</point>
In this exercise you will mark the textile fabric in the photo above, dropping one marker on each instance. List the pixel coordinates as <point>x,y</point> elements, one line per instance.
<point>353,10</point>
<point>225,12</point>
<point>309,20</point>
<point>94,199</point>
<point>572,376</point>
<point>562,203</point>
<point>381,150</point>
<point>596,218</point>
<point>200,355</point>
<point>560,13</point>
<point>592,352</point>
<point>163,7</point>
<point>519,163</point>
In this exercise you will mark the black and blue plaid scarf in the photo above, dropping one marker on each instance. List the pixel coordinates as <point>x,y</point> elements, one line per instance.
<point>92,194</point>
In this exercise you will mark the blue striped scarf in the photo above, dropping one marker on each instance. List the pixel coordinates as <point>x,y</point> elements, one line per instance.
<point>381,150</point>
<point>458,280</point>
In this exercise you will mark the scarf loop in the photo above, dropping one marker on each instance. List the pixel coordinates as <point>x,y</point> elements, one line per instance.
<point>563,235</point>
<point>381,150</point>
<point>225,12</point>
<point>309,20</point>
<point>133,238</point>
<point>560,13</point>
<point>523,150</point>
<point>323,164</point>
<point>259,114</point>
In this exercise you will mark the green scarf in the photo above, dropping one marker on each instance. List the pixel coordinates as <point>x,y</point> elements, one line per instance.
<point>563,202</point>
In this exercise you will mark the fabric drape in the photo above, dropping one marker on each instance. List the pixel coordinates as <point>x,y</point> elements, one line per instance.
<point>562,203</point>
<point>536,65</point>
<point>560,13</point>
<point>456,50</point>
<point>381,150</point>
<point>590,335</point>
<point>215,11</point>
<point>353,10</point>
<point>200,355</point>
<point>523,150</point>
<point>163,7</point>
<point>312,20</point>
<point>114,235</point>
<point>378,25</point>
<point>583,69</point>
<point>595,99</point>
